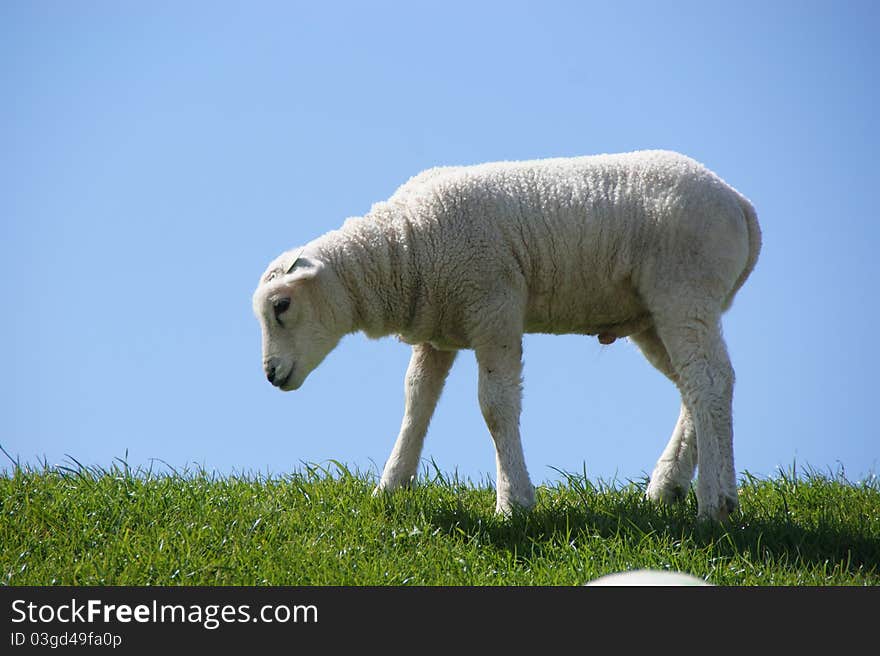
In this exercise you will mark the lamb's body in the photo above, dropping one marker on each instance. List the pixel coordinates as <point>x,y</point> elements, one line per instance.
<point>574,242</point>
<point>650,245</point>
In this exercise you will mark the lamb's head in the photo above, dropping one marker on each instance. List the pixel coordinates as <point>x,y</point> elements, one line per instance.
<point>296,318</point>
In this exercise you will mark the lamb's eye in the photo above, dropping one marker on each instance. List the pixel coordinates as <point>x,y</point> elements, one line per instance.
<point>280,306</point>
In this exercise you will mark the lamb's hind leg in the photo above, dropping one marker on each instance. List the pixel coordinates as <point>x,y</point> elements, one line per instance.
<point>705,378</point>
<point>425,376</point>
<point>674,471</point>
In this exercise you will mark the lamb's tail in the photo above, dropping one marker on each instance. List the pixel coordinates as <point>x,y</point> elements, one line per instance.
<point>754,246</point>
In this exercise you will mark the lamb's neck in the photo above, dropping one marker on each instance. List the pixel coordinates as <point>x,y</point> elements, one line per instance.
<point>368,264</point>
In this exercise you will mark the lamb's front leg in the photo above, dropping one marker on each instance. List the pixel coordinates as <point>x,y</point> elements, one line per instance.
<point>500,392</point>
<point>424,381</point>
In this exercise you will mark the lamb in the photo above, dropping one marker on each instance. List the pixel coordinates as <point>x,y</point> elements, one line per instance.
<point>648,245</point>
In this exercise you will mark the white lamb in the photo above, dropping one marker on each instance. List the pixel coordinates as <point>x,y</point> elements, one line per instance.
<point>650,245</point>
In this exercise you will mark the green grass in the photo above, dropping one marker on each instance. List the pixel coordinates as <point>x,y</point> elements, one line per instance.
<point>321,526</point>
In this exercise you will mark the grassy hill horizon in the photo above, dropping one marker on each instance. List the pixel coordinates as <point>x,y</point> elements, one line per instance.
<point>321,526</point>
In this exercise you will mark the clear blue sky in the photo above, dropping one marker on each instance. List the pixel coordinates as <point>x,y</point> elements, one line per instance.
<point>155,156</point>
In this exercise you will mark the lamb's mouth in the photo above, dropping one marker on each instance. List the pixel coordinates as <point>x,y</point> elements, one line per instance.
<point>282,383</point>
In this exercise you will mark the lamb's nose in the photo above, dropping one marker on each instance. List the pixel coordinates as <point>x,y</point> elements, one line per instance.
<point>270,374</point>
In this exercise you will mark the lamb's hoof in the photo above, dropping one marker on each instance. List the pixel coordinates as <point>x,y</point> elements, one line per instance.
<point>668,494</point>
<point>507,506</point>
<point>511,509</point>
<point>731,505</point>
<point>721,512</point>
<point>384,487</point>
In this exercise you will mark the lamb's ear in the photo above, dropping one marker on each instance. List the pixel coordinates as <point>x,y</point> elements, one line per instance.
<point>302,268</point>
<point>294,261</point>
